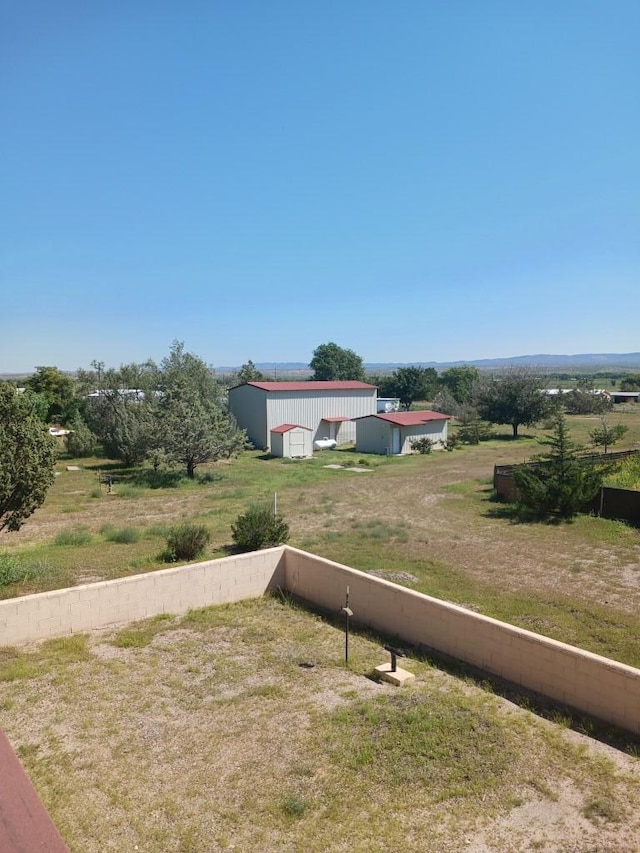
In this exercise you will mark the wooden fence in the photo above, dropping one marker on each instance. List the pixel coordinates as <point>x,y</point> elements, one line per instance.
<point>620,504</point>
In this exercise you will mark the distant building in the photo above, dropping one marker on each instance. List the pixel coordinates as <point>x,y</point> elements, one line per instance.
<point>394,432</point>
<point>326,409</point>
<point>624,396</point>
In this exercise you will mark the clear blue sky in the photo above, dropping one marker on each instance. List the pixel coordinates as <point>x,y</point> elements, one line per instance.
<point>416,180</point>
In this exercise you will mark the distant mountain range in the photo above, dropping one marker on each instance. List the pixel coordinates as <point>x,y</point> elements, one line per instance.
<point>582,361</point>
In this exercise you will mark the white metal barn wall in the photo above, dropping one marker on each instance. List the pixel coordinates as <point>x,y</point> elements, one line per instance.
<point>308,408</point>
<point>374,435</point>
<point>249,407</point>
<point>435,430</point>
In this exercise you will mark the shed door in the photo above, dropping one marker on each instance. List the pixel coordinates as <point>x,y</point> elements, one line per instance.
<point>395,440</point>
<point>296,443</point>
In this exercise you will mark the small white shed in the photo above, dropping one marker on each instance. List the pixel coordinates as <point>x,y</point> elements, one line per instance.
<point>393,432</point>
<point>291,441</point>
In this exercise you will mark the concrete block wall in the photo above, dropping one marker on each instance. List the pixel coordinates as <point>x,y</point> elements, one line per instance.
<point>175,590</point>
<point>587,682</point>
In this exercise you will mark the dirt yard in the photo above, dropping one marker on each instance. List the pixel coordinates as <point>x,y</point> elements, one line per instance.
<point>240,729</point>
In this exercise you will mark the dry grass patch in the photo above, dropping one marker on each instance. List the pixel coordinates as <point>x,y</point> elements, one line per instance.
<point>238,727</point>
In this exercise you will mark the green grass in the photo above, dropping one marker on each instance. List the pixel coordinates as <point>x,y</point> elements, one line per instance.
<point>122,535</point>
<point>141,634</point>
<point>74,537</point>
<point>387,537</point>
<point>304,758</point>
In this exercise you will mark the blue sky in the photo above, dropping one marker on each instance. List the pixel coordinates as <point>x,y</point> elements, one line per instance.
<point>434,180</point>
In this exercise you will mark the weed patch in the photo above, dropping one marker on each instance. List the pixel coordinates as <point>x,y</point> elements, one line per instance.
<point>74,537</point>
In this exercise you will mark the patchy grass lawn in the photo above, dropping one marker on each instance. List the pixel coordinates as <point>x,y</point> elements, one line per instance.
<point>239,728</point>
<point>428,521</point>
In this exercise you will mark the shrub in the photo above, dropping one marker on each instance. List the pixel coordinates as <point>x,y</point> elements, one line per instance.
<point>77,536</point>
<point>14,571</point>
<point>422,445</point>
<point>474,432</point>
<point>123,535</point>
<point>10,571</point>
<point>259,528</point>
<point>186,542</point>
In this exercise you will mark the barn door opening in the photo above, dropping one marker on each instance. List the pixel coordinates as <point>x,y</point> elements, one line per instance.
<point>395,440</point>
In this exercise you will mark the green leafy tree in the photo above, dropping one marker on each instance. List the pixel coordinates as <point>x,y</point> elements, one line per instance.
<point>81,441</point>
<point>560,483</point>
<point>412,383</point>
<point>27,458</point>
<point>250,373</point>
<point>631,382</point>
<point>584,400</point>
<point>460,382</point>
<point>194,425</point>
<point>333,362</point>
<point>445,402</point>
<point>606,435</point>
<point>172,413</point>
<point>123,425</point>
<point>59,391</point>
<point>39,403</point>
<point>515,398</point>
<point>119,408</point>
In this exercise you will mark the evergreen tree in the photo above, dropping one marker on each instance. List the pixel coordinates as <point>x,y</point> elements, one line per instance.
<point>27,458</point>
<point>560,482</point>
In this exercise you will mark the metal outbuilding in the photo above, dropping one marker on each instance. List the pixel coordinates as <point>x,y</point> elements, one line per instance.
<point>291,441</point>
<point>393,433</point>
<point>328,408</point>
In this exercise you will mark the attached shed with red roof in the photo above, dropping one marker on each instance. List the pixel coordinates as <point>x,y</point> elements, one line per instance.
<point>393,433</point>
<point>328,409</point>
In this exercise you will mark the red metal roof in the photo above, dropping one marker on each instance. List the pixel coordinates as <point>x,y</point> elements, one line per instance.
<point>410,418</point>
<point>287,427</point>
<point>313,385</point>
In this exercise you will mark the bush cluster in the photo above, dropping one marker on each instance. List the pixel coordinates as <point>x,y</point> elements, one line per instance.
<point>422,445</point>
<point>259,528</point>
<point>186,542</point>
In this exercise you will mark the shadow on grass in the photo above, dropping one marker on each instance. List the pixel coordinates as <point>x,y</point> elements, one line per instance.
<point>535,703</point>
<point>528,700</point>
<point>504,511</point>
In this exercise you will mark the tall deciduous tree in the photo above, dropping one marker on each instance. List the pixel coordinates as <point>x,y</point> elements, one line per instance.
<point>171,413</point>
<point>516,398</point>
<point>27,457</point>
<point>460,382</point>
<point>561,483</point>
<point>413,383</point>
<point>607,434</point>
<point>58,389</point>
<point>120,410</point>
<point>333,362</point>
<point>631,383</point>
